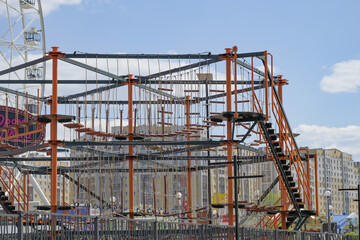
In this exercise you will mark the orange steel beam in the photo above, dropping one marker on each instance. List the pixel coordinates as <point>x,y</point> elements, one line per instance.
<point>54,55</point>
<point>235,81</point>
<point>266,87</point>
<point>131,147</point>
<point>316,185</point>
<point>28,189</point>
<point>63,188</point>
<point>283,190</point>
<point>229,136</point>
<point>188,122</point>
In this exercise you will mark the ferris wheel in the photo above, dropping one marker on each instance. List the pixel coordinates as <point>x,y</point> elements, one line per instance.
<point>22,39</point>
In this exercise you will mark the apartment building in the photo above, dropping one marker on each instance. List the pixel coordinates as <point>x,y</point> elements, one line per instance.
<point>336,170</point>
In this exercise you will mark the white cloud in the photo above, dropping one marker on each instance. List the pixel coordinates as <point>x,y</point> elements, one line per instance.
<point>345,77</point>
<point>53,5</point>
<point>346,139</point>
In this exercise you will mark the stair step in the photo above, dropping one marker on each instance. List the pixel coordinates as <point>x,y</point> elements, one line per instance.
<point>283,161</point>
<point>297,195</point>
<point>4,198</point>
<point>292,184</point>
<point>290,178</point>
<point>271,131</point>
<point>301,205</point>
<point>278,149</point>
<point>275,143</point>
<point>268,125</point>
<point>285,166</point>
<point>281,155</point>
<point>273,137</point>
<point>287,173</point>
<point>11,207</point>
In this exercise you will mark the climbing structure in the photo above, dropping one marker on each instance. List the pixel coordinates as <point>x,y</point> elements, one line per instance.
<point>142,127</point>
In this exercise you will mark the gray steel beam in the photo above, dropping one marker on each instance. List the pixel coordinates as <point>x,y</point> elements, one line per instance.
<point>159,56</point>
<point>24,65</point>
<point>174,70</point>
<point>91,82</point>
<point>141,56</point>
<point>97,90</point>
<point>22,94</point>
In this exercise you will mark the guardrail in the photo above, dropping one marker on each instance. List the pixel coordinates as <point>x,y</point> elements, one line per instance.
<point>39,225</point>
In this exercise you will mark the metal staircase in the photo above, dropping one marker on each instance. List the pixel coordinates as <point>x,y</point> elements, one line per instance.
<point>16,192</point>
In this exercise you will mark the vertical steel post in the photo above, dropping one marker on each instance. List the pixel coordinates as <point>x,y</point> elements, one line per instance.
<point>208,152</point>
<point>131,147</point>
<point>20,226</point>
<point>281,141</point>
<point>188,122</point>
<point>236,199</point>
<point>54,55</point>
<point>229,136</point>
<point>165,199</point>
<point>96,228</point>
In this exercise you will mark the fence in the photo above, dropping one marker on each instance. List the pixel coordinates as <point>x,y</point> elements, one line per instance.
<point>36,225</point>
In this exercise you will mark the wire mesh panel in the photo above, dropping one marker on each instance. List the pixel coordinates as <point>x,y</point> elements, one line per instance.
<point>8,226</point>
<point>41,225</point>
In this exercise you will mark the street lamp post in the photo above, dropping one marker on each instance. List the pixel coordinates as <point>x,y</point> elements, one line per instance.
<point>178,196</point>
<point>327,194</point>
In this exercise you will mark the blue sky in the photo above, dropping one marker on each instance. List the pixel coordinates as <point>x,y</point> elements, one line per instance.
<point>315,45</point>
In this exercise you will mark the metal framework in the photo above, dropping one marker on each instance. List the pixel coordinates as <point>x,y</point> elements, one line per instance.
<point>170,114</point>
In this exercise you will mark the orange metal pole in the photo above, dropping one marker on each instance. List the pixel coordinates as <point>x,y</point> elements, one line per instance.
<point>266,87</point>
<point>63,192</point>
<point>28,189</point>
<point>235,81</point>
<point>131,147</point>
<point>188,122</point>
<point>229,136</point>
<point>283,191</point>
<point>316,185</point>
<point>54,55</point>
